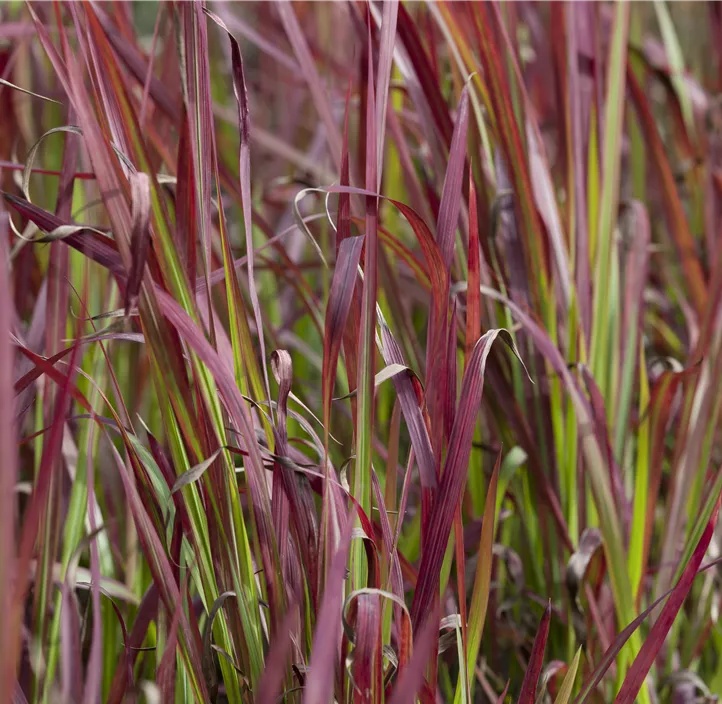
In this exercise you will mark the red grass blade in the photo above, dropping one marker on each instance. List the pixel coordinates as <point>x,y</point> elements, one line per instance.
<point>8,474</point>
<point>269,686</point>
<point>93,245</point>
<point>386,54</point>
<point>536,660</point>
<point>367,667</point>
<point>655,639</point>
<point>411,678</point>
<point>325,648</point>
<point>340,297</point>
<point>450,207</point>
<point>300,500</point>
<point>622,637</point>
<point>473,294</point>
<point>123,679</point>
<point>408,392</point>
<point>452,478</point>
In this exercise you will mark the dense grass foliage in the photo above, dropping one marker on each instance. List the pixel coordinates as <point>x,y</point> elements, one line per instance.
<point>360,352</point>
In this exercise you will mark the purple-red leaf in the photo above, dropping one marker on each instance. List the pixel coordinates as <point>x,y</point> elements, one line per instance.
<point>325,648</point>
<point>411,678</point>
<point>8,475</point>
<point>655,639</point>
<point>452,478</point>
<point>339,305</point>
<point>269,686</point>
<point>450,207</point>
<point>536,660</point>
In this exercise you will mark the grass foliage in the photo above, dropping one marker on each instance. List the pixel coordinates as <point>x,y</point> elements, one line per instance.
<point>360,352</point>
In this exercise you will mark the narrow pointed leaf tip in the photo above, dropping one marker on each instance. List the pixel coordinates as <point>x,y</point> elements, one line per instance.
<point>536,660</point>
<point>454,473</point>
<point>655,640</point>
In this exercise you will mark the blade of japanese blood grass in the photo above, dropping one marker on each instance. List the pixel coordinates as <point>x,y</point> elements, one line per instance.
<point>343,214</point>
<point>123,678</point>
<point>482,581</point>
<point>8,475</point>
<point>338,328</point>
<point>280,499</point>
<point>352,328</point>
<point>578,107</point>
<point>166,670</point>
<point>636,562</point>
<point>140,199</point>
<point>298,495</point>
<point>337,310</point>
<point>410,402</point>
<point>452,480</point>
<point>185,209</point>
<point>459,547</point>
<point>326,639</point>
<point>677,221</point>
<point>3,82</point>
<point>608,205</point>
<point>244,124</point>
<point>367,357</point>
<point>194,473</point>
<point>473,295</point>
<point>271,682</point>
<point>197,96</point>
<point>446,225</point>
<point>536,660</point>
<point>502,696</point>
<point>368,659</point>
<point>655,639</point>
<point>411,678</point>
<point>622,637</point>
<point>92,244</point>
<point>386,54</point>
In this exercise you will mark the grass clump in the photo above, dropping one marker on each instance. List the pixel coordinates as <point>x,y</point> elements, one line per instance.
<point>360,352</point>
